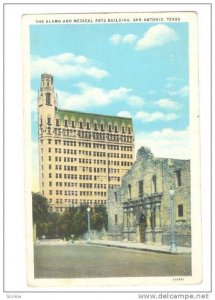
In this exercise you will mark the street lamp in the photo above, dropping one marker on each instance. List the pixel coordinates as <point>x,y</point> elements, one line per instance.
<point>173,245</point>
<point>88,214</point>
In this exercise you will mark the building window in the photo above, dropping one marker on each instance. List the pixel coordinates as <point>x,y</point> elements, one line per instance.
<point>48,99</point>
<point>102,127</point>
<point>65,123</point>
<point>57,122</point>
<point>95,126</point>
<point>49,121</point>
<point>178,177</point>
<point>154,184</point>
<point>116,219</point>
<point>88,125</point>
<point>115,194</point>
<point>109,127</point>
<point>140,184</point>
<point>180,210</point>
<point>129,130</point>
<point>115,128</point>
<point>129,191</point>
<point>81,124</point>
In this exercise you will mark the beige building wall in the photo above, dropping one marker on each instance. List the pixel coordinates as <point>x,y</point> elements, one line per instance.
<point>82,155</point>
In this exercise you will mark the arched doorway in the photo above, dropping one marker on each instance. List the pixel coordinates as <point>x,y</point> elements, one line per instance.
<point>142,227</point>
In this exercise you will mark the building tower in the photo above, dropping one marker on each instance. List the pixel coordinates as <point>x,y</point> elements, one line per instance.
<point>46,117</point>
<point>81,155</point>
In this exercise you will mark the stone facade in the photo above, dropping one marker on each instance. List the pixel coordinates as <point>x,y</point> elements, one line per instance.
<point>139,210</point>
<point>81,155</point>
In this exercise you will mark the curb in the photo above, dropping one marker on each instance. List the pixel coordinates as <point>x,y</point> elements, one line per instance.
<point>142,249</point>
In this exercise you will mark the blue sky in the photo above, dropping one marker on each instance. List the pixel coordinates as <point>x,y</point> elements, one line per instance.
<point>138,70</point>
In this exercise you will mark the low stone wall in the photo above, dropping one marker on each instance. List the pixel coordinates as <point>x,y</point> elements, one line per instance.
<point>180,240</point>
<point>115,236</point>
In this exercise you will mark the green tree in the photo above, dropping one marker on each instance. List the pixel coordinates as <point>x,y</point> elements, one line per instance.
<point>65,224</point>
<point>40,213</point>
<point>72,221</point>
<point>79,221</point>
<point>99,218</point>
<point>40,207</point>
<point>53,224</point>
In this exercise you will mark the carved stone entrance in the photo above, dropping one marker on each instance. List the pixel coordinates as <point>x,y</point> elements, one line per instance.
<point>142,228</point>
<point>142,219</point>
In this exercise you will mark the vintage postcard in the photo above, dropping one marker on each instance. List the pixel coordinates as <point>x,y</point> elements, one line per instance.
<point>112,149</point>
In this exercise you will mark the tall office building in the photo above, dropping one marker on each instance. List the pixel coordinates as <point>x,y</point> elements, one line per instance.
<point>81,155</point>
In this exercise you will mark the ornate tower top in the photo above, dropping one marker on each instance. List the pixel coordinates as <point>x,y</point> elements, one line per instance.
<point>47,94</point>
<point>47,81</point>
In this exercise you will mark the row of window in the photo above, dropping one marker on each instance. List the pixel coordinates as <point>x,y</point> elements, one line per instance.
<point>141,187</point>
<point>94,136</point>
<point>114,178</point>
<point>89,145</point>
<point>180,211</point>
<point>82,202</point>
<point>66,193</point>
<point>81,185</point>
<point>83,177</point>
<point>154,185</point>
<point>97,154</point>
<point>95,126</point>
<point>91,169</point>
<point>60,183</point>
<point>75,201</point>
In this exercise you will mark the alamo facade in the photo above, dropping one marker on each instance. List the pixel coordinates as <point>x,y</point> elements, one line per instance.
<point>139,210</point>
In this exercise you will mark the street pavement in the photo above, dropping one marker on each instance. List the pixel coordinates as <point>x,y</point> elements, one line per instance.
<point>152,247</point>
<point>82,260</point>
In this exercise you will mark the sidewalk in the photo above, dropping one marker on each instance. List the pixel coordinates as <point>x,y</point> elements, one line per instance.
<point>143,247</point>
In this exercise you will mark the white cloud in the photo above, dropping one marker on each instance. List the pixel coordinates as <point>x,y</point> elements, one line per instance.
<point>182,92</point>
<point>155,116</point>
<point>173,78</point>
<point>89,96</point>
<point>129,38</point>
<point>167,103</point>
<point>157,35</point>
<point>65,65</point>
<point>167,143</point>
<point>135,101</point>
<point>116,39</point>
<point>125,114</point>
